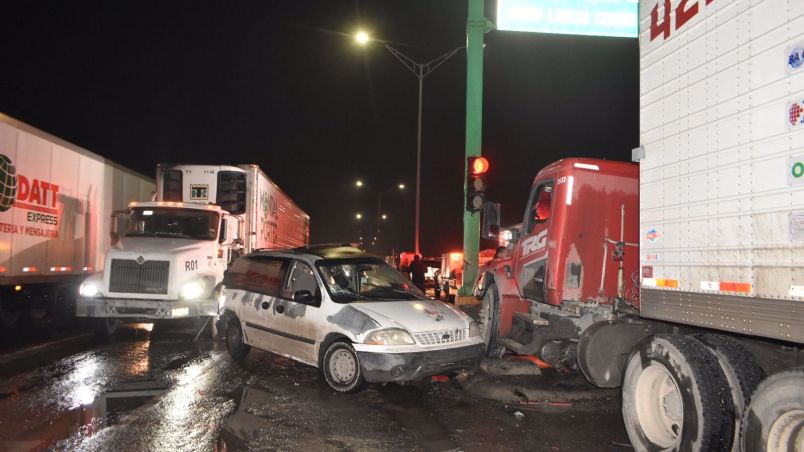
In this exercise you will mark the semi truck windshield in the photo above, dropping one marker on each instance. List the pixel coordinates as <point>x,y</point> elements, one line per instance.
<point>171,222</point>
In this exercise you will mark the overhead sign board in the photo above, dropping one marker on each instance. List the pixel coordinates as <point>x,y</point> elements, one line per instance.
<point>574,17</point>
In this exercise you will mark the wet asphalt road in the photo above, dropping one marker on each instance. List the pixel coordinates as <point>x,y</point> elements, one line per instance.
<point>153,388</point>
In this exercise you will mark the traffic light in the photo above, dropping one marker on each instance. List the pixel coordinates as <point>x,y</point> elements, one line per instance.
<point>476,168</point>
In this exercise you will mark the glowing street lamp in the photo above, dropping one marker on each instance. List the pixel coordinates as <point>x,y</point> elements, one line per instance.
<point>362,38</point>
<point>420,70</point>
<point>358,216</point>
<point>358,183</point>
<point>384,216</point>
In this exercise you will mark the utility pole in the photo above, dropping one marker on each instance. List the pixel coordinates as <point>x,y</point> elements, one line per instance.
<point>476,27</point>
<point>420,70</point>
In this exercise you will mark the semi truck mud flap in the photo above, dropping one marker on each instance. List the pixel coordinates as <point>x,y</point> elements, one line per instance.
<point>145,309</point>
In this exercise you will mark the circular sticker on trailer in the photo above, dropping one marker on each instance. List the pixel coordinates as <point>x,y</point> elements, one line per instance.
<point>795,58</point>
<point>652,235</point>
<point>8,183</point>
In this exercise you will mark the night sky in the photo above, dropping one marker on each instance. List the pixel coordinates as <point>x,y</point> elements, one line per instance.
<point>283,85</point>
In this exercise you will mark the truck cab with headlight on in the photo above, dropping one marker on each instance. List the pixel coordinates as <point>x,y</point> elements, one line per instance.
<point>168,256</point>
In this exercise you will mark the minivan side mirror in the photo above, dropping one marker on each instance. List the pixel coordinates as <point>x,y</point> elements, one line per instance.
<point>304,296</point>
<point>491,220</point>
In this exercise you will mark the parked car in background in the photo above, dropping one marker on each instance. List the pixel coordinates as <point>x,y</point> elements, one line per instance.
<point>350,314</point>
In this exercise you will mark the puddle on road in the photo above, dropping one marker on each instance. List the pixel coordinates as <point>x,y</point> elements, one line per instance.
<point>403,405</point>
<point>108,409</point>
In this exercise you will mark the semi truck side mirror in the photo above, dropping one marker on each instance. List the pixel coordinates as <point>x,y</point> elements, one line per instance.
<point>491,220</point>
<point>118,221</point>
<point>223,231</point>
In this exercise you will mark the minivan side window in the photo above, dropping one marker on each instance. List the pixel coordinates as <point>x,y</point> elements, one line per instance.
<point>301,278</point>
<point>257,274</point>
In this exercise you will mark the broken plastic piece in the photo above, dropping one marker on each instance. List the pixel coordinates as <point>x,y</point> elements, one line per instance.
<point>535,360</point>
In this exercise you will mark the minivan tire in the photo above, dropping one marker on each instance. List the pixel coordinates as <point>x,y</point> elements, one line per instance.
<point>235,343</point>
<point>341,368</point>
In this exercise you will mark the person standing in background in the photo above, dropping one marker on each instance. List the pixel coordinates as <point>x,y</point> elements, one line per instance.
<point>417,271</point>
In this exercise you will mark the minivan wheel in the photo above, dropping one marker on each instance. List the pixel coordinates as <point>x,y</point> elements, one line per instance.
<point>235,343</point>
<point>341,368</point>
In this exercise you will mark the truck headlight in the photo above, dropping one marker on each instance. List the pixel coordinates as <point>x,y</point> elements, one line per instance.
<point>474,329</point>
<point>191,290</point>
<point>88,290</point>
<point>391,336</point>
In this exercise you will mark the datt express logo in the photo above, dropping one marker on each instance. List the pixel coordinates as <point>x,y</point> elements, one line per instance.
<point>8,183</point>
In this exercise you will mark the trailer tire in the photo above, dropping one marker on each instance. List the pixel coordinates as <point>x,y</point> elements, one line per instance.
<point>774,420</point>
<point>490,321</point>
<point>104,327</point>
<point>742,370</point>
<point>675,397</point>
<point>235,342</point>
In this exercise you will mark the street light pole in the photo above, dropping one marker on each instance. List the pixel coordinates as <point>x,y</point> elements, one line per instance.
<point>420,70</point>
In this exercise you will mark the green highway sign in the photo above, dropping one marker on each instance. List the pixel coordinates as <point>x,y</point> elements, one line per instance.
<point>576,17</point>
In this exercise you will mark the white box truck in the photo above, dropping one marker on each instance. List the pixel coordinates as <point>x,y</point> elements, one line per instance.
<point>680,279</point>
<point>172,252</point>
<point>55,203</point>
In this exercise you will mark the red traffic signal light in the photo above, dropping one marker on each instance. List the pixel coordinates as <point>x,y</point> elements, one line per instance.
<point>476,168</point>
<point>479,165</point>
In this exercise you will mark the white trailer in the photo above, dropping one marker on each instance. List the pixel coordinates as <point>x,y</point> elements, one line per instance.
<point>270,218</point>
<point>721,223</point>
<point>55,203</point>
<point>170,260</point>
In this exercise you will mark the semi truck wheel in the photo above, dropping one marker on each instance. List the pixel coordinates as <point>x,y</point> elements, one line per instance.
<point>8,317</point>
<point>490,321</point>
<point>742,370</point>
<point>675,397</point>
<point>774,420</point>
<point>104,328</point>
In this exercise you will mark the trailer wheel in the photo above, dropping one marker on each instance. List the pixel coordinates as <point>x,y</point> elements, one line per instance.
<point>235,343</point>
<point>104,327</point>
<point>742,370</point>
<point>490,321</point>
<point>774,420</point>
<point>676,397</point>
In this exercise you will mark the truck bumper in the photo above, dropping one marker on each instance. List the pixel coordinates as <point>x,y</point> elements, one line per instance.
<point>145,309</point>
<point>385,367</point>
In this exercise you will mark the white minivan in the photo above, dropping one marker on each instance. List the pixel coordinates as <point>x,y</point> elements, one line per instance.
<point>350,314</point>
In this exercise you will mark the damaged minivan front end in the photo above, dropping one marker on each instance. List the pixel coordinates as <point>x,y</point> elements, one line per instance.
<point>354,316</point>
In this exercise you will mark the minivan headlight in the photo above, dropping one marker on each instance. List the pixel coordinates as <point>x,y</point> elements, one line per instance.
<point>390,336</point>
<point>474,329</point>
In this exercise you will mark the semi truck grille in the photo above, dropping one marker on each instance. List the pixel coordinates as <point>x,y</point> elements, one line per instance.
<point>439,337</point>
<point>129,276</point>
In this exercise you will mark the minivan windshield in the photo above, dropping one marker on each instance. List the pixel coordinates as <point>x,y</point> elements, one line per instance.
<point>171,222</point>
<point>366,279</point>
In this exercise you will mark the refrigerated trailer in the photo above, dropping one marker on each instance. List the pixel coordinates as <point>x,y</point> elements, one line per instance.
<point>679,279</point>
<point>55,203</point>
<point>171,253</point>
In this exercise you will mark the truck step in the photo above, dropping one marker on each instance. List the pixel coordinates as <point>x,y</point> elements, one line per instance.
<point>512,345</point>
<point>532,319</point>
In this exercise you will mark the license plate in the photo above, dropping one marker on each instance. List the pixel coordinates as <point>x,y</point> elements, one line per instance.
<point>180,312</point>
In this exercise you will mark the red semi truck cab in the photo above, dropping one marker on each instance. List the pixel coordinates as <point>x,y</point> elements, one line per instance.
<point>580,222</point>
